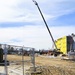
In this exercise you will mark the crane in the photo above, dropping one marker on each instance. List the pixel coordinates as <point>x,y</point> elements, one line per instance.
<point>45,23</point>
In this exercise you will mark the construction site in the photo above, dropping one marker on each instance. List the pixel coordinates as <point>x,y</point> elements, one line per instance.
<point>35,64</point>
<point>20,60</point>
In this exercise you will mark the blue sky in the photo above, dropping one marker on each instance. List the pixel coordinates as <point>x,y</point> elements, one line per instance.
<point>21,23</point>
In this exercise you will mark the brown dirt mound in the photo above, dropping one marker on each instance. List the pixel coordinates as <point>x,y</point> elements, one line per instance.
<point>52,70</point>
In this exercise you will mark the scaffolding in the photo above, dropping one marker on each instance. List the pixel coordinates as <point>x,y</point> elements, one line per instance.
<point>12,67</point>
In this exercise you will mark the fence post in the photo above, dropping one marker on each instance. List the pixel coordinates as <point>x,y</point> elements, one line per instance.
<point>23,60</point>
<point>33,58</point>
<point>5,59</point>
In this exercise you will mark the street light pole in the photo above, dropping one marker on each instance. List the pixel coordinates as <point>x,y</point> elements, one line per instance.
<point>45,23</point>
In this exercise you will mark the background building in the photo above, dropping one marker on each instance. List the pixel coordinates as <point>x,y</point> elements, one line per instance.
<point>65,44</point>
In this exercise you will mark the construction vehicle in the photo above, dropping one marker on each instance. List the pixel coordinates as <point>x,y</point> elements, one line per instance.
<point>56,51</point>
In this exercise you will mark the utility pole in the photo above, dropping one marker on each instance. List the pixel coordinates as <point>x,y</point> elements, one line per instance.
<point>45,23</point>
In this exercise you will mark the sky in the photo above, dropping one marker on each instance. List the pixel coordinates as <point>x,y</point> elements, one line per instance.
<point>21,23</point>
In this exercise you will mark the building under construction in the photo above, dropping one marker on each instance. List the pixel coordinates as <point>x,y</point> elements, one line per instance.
<point>66,44</point>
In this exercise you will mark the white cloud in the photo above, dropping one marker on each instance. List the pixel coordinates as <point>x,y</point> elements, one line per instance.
<point>57,8</point>
<point>26,11</point>
<point>6,9</point>
<point>33,36</point>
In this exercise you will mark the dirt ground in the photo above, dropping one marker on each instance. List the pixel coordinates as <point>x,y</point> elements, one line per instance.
<point>49,64</point>
<point>45,60</point>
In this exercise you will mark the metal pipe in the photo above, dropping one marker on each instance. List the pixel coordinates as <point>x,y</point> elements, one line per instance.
<point>14,45</point>
<point>33,58</point>
<point>22,60</point>
<point>45,23</point>
<point>5,55</point>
